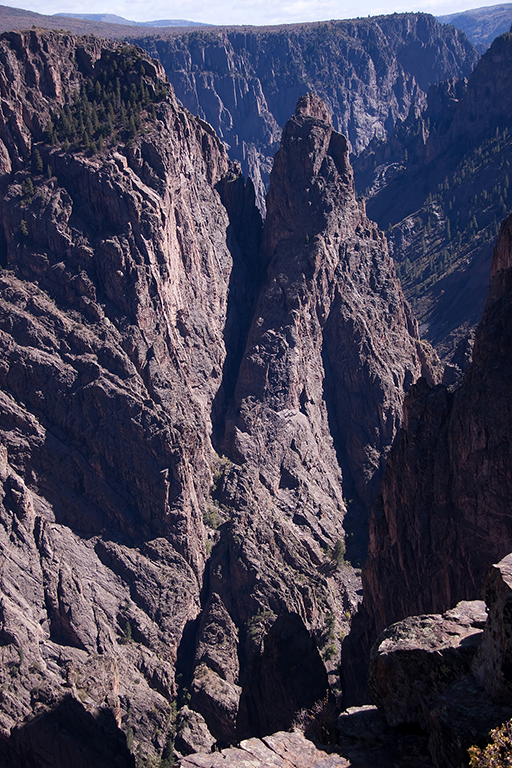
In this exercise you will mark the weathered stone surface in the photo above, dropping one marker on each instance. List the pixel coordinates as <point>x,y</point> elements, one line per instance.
<point>367,741</point>
<point>463,715</point>
<point>299,428</point>
<point>440,520</point>
<point>444,674</point>
<point>492,666</point>
<point>288,676</point>
<point>192,734</point>
<point>218,701</point>
<point>126,304</point>
<point>112,317</point>
<point>246,81</point>
<point>416,660</point>
<point>312,350</point>
<point>217,641</point>
<point>415,183</point>
<point>281,750</point>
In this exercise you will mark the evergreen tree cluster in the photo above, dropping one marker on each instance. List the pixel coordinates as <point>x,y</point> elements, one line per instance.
<point>111,104</point>
<point>464,212</point>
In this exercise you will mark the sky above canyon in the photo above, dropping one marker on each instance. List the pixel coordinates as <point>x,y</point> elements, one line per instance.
<point>257,12</point>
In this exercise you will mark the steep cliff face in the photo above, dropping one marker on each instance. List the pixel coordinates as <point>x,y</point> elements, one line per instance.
<point>441,187</point>
<point>311,351</point>
<point>142,325</point>
<point>441,517</point>
<point>481,25</point>
<point>246,82</point>
<point>113,312</point>
<point>332,345</point>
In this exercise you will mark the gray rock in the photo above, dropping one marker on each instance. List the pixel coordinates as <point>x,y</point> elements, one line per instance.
<point>492,665</point>
<point>369,72</point>
<point>192,734</point>
<point>217,642</point>
<point>416,660</point>
<point>463,716</point>
<point>281,750</point>
<point>217,700</point>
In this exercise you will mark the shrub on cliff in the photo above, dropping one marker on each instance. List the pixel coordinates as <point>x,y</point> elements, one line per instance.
<point>498,753</point>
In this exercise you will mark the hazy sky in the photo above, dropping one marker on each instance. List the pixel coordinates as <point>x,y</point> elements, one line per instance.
<point>245,11</point>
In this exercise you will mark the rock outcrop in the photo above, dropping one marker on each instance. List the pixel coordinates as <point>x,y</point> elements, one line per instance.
<point>441,518</point>
<point>281,750</point>
<point>246,81</point>
<point>329,324</point>
<point>114,304</point>
<point>449,675</point>
<point>414,661</point>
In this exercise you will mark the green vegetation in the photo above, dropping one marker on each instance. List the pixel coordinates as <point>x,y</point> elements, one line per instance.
<point>128,632</point>
<point>256,626</point>
<point>498,753</point>
<point>455,224</point>
<point>338,554</point>
<point>466,210</point>
<point>129,737</point>
<point>330,652</point>
<point>211,516</point>
<point>110,106</point>
<point>329,627</point>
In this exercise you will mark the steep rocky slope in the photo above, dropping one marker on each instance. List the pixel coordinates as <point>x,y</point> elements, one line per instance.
<point>482,25</point>
<point>246,81</point>
<point>441,517</point>
<point>141,327</point>
<point>441,187</point>
<point>113,313</point>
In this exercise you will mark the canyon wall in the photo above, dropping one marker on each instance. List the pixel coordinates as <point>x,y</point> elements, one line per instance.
<point>440,186</point>
<point>441,517</point>
<point>245,81</point>
<point>186,403</point>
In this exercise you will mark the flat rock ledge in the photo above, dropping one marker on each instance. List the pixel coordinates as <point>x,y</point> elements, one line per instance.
<point>281,750</point>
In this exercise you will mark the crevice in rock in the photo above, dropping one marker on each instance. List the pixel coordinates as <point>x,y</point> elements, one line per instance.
<point>243,240</point>
<point>355,521</point>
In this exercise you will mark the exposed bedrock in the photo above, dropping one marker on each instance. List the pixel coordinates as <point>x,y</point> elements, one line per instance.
<point>441,517</point>
<point>144,321</point>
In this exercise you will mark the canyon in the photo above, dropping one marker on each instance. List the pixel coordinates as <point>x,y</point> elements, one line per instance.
<point>183,418</point>
<point>369,72</point>
<point>201,411</point>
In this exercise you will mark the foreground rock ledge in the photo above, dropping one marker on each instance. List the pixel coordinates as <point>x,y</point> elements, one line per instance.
<point>281,750</point>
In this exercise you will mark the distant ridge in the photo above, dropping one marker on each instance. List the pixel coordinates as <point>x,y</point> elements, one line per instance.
<point>481,25</point>
<point>18,19</point>
<point>111,18</point>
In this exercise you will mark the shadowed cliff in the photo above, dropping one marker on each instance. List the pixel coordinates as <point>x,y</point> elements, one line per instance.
<point>441,518</point>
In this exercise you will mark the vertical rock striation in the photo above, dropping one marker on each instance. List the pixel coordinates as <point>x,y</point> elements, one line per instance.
<point>317,403</point>
<point>332,346</point>
<point>142,323</point>
<point>113,309</point>
<point>246,80</point>
<point>441,517</point>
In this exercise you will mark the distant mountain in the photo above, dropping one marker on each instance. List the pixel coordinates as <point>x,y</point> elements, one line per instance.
<point>482,25</point>
<point>111,18</point>
<point>117,28</point>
